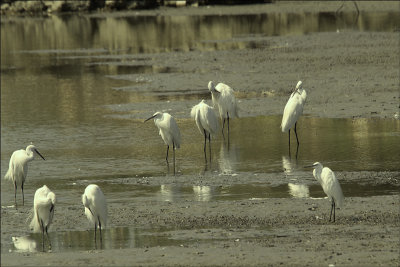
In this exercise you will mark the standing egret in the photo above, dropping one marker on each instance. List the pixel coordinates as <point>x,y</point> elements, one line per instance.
<point>293,110</point>
<point>18,168</point>
<point>95,207</point>
<point>43,212</point>
<point>330,185</point>
<point>223,98</point>
<point>169,131</point>
<point>206,121</point>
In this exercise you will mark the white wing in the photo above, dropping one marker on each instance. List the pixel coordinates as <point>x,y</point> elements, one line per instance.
<point>331,186</point>
<point>43,208</point>
<point>96,201</point>
<point>226,101</point>
<point>169,130</point>
<point>208,118</point>
<point>292,111</point>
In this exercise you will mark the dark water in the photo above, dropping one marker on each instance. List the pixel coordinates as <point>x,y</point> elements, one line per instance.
<point>58,80</point>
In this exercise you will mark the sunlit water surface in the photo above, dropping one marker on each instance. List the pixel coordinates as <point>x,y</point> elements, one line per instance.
<point>58,81</point>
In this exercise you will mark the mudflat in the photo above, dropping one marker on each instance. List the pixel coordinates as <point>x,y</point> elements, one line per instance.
<point>350,74</point>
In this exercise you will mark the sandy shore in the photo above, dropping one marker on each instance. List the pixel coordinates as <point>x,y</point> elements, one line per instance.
<point>347,74</point>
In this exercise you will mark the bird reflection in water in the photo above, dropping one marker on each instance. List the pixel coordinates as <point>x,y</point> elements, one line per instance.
<point>24,244</point>
<point>299,190</point>
<point>203,192</point>
<point>227,159</point>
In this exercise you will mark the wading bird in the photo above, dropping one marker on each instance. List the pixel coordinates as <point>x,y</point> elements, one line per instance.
<point>169,131</point>
<point>223,98</point>
<point>43,212</point>
<point>293,110</point>
<point>18,168</point>
<point>95,207</point>
<point>330,185</point>
<point>206,121</point>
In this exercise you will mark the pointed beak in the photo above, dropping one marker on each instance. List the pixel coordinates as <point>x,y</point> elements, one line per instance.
<point>37,152</point>
<point>309,166</point>
<point>90,211</point>
<point>150,118</point>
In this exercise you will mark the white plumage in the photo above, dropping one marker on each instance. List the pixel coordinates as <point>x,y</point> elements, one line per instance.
<point>223,98</point>
<point>168,129</point>
<point>293,110</point>
<point>95,205</point>
<point>43,211</point>
<point>330,185</point>
<point>18,168</point>
<point>206,121</point>
<point>205,117</point>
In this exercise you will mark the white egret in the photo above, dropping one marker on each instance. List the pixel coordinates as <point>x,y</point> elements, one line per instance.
<point>95,207</point>
<point>206,121</point>
<point>223,98</point>
<point>43,212</point>
<point>169,131</point>
<point>330,185</point>
<point>18,168</point>
<point>293,110</point>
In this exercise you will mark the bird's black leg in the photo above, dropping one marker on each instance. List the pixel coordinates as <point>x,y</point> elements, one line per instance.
<point>173,148</point>
<point>101,239</point>
<point>95,228</point>
<point>42,228</point>
<point>48,238</point>
<point>223,125</point>
<point>209,145</point>
<point>337,11</point>
<point>15,194</point>
<point>289,141</point>
<point>23,197</point>
<point>228,123</point>
<point>166,158</point>
<point>295,131</point>
<point>205,144</point>
<point>334,211</point>
<point>332,205</point>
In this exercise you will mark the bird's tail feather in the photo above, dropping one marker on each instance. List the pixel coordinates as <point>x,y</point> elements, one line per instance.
<point>34,223</point>
<point>8,175</point>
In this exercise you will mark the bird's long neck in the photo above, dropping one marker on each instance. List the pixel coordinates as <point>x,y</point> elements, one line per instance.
<point>29,155</point>
<point>317,174</point>
<point>303,94</point>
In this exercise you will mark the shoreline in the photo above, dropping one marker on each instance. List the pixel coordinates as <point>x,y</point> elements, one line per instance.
<point>347,74</point>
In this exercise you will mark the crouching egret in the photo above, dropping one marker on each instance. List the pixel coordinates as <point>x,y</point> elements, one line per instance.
<point>223,98</point>
<point>293,110</point>
<point>206,121</point>
<point>169,131</point>
<point>95,207</point>
<point>18,168</point>
<point>43,212</point>
<point>330,185</point>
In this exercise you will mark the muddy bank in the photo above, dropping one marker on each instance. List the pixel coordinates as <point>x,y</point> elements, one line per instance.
<point>292,232</point>
<point>346,73</point>
<point>251,232</point>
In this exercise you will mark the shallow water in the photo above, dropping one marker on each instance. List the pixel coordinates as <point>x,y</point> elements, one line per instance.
<point>69,90</point>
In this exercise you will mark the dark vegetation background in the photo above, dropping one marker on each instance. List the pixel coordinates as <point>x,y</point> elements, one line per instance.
<point>39,6</point>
